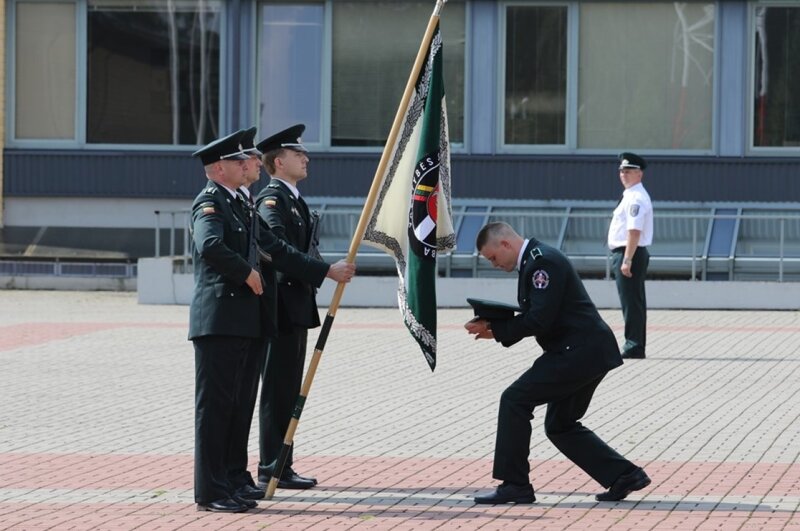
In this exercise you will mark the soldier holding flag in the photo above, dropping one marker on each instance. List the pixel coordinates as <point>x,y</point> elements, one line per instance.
<point>282,207</point>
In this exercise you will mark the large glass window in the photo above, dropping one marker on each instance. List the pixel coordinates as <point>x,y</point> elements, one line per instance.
<point>776,120</point>
<point>645,75</point>
<point>374,46</point>
<point>45,71</point>
<point>536,75</point>
<point>153,71</point>
<point>290,74</point>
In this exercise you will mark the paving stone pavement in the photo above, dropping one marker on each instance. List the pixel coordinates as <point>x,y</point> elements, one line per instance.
<point>96,425</point>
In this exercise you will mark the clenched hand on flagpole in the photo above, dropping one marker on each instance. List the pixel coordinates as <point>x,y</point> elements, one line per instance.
<point>421,128</point>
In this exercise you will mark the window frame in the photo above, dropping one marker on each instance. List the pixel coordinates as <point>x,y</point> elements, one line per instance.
<point>81,87</point>
<point>750,91</point>
<point>326,79</point>
<point>571,116</point>
<point>11,81</point>
<point>570,131</point>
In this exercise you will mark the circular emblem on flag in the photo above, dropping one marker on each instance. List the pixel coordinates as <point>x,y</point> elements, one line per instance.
<point>541,279</point>
<point>424,212</point>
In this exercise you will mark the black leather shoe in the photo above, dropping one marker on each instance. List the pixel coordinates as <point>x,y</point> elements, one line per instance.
<point>226,505</point>
<point>637,354</point>
<point>289,480</point>
<point>250,504</point>
<point>508,493</point>
<point>624,485</point>
<point>292,480</point>
<point>304,478</point>
<point>249,492</point>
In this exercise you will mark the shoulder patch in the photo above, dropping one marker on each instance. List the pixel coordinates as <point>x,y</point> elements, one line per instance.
<point>634,210</point>
<point>207,207</point>
<point>536,253</point>
<point>540,279</point>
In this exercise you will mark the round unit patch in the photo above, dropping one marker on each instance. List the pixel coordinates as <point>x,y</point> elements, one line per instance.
<point>541,279</point>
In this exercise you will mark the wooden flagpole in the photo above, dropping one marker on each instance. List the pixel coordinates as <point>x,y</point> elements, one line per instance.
<point>358,235</point>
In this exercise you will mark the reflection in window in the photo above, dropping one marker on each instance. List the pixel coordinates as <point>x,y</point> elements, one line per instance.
<point>777,77</point>
<point>536,75</point>
<point>374,46</point>
<point>153,72</point>
<point>290,55</point>
<point>45,70</point>
<point>645,77</point>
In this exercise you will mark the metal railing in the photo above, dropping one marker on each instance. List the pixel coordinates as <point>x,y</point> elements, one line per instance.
<point>339,225</point>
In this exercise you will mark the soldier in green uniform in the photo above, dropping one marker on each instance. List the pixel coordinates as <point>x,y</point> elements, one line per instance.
<point>579,349</point>
<point>287,214</point>
<point>227,320</point>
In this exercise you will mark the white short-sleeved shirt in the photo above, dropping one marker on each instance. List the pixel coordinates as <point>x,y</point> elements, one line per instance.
<point>634,212</point>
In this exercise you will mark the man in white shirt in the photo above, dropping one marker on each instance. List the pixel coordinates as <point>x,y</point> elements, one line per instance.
<point>629,235</point>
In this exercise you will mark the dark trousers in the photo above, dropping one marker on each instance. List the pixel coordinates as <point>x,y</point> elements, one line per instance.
<point>220,363</point>
<point>566,403</point>
<point>252,368</point>
<point>281,380</point>
<point>632,298</point>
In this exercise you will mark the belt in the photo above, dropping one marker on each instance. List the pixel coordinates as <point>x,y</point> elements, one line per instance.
<point>622,249</point>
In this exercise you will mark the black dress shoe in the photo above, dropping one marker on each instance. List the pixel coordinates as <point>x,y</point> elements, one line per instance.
<point>624,485</point>
<point>250,504</point>
<point>225,505</point>
<point>304,478</point>
<point>292,480</point>
<point>637,354</point>
<point>249,492</point>
<point>288,480</point>
<point>508,493</point>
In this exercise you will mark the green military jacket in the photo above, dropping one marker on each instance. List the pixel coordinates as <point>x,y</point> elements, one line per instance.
<point>222,303</point>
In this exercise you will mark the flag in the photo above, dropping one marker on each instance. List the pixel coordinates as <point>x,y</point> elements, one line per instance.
<point>412,217</point>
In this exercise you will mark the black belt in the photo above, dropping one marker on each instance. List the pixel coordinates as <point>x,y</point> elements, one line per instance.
<point>622,249</point>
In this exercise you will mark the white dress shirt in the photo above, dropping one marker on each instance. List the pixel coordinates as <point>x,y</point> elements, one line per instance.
<point>634,212</point>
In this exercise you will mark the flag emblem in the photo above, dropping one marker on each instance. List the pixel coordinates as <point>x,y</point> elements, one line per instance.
<point>412,217</point>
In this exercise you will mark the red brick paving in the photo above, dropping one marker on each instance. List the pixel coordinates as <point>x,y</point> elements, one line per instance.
<point>95,428</point>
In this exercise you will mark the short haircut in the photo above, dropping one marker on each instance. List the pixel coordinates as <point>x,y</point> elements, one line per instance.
<point>269,159</point>
<point>493,231</point>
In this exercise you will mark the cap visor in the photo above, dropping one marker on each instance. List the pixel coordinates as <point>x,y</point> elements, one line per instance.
<point>235,156</point>
<point>493,310</point>
<point>295,147</point>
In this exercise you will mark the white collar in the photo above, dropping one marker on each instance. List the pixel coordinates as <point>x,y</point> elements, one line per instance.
<point>522,253</point>
<point>290,186</point>
<point>635,187</point>
<point>232,192</point>
<point>245,191</point>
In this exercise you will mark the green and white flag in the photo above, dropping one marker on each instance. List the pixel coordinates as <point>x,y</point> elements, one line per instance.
<point>412,219</point>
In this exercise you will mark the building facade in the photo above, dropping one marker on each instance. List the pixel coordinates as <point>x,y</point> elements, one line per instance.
<point>106,99</point>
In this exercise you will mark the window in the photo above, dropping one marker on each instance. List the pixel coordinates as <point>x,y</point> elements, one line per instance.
<point>645,75</point>
<point>290,76</point>
<point>776,90</point>
<point>374,46</point>
<point>45,71</point>
<point>536,75</point>
<point>153,72</point>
